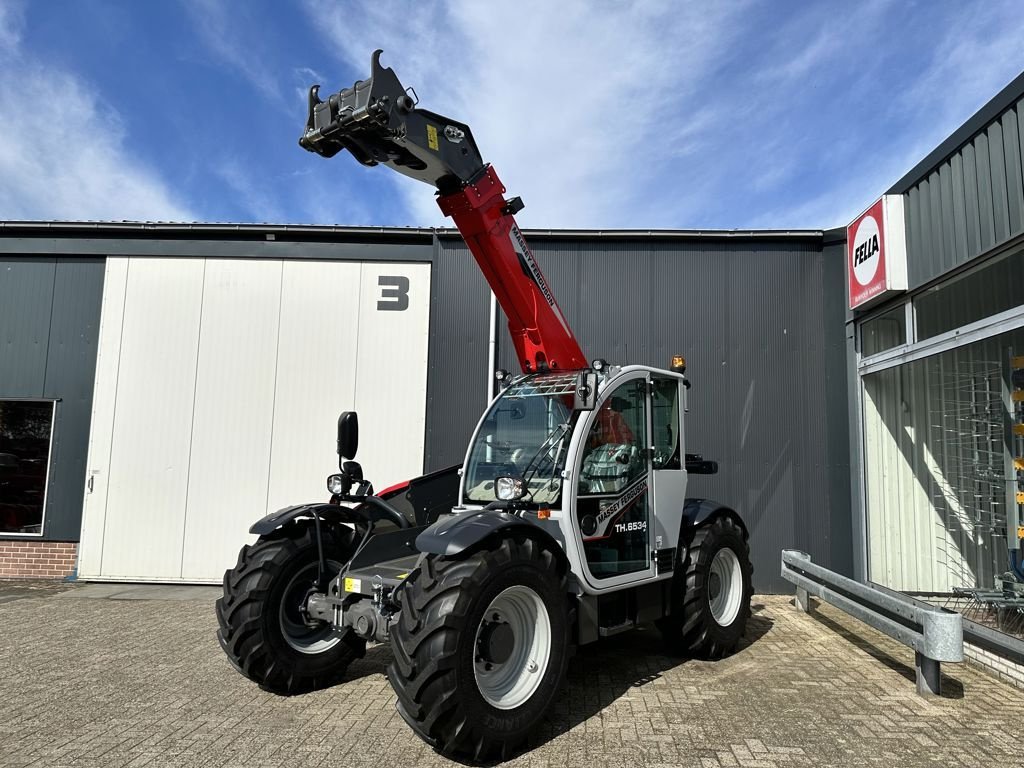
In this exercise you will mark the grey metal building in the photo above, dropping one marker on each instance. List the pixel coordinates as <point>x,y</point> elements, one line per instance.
<point>161,385</point>
<point>748,309</point>
<point>937,371</point>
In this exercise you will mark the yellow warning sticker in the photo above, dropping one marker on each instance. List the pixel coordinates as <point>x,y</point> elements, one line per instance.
<point>432,137</point>
<point>1020,497</point>
<point>1017,395</point>
<point>353,585</point>
<point>1018,429</point>
<point>402,576</point>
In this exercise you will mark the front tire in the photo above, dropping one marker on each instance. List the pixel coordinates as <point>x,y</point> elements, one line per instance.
<point>262,627</point>
<point>481,647</point>
<point>711,590</point>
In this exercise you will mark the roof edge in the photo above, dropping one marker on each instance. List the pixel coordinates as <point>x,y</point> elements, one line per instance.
<point>998,104</point>
<point>101,228</point>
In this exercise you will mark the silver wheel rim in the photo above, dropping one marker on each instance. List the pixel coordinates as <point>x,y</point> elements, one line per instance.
<point>725,587</point>
<point>511,683</point>
<point>302,636</point>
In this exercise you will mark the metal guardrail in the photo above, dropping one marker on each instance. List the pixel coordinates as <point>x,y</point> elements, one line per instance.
<point>1001,644</point>
<point>935,634</point>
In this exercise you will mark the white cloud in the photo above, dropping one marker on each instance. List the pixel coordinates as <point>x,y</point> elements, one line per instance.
<point>63,153</point>
<point>973,52</point>
<point>249,192</point>
<point>971,62</point>
<point>222,26</point>
<point>672,114</point>
<point>571,105</point>
<point>11,22</point>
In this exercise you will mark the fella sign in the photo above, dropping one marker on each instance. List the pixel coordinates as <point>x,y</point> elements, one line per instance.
<point>876,252</point>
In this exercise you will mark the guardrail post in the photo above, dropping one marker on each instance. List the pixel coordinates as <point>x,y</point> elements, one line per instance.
<point>929,675</point>
<point>935,634</point>
<point>802,598</point>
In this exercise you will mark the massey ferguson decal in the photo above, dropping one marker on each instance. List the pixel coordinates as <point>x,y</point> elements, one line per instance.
<point>532,271</point>
<point>877,252</point>
<point>601,525</point>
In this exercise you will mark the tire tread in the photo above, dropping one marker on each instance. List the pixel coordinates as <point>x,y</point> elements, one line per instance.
<point>242,622</point>
<point>436,600</point>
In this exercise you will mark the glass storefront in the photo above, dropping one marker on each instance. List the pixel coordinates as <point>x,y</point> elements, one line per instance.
<point>939,458</point>
<point>995,287</point>
<point>884,331</point>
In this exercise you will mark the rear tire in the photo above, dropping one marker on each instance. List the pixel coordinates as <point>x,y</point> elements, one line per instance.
<point>262,629</point>
<point>481,647</point>
<point>711,591</point>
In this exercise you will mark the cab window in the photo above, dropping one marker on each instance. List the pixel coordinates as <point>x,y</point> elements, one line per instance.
<point>665,419</point>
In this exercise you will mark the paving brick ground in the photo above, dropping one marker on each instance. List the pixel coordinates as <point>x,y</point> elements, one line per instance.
<point>140,682</point>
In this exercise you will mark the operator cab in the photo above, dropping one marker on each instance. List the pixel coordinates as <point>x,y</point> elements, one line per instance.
<point>601,468</point>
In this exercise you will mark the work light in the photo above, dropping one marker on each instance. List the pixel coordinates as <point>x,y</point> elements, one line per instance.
<point>508,488</point>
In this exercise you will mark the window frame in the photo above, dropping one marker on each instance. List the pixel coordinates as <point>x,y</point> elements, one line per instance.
<point>49,465</point>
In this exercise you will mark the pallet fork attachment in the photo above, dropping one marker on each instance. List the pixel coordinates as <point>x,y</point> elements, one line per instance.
<point>378,122</point>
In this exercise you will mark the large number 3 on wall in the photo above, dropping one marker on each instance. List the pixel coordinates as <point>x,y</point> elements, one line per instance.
<point>394,293</point>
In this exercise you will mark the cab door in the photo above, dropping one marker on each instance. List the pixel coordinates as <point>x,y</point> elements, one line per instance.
<point>668,402</point>
<point>613,499</point>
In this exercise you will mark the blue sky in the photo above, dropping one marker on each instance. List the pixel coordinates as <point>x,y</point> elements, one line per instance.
<point>726,115</point>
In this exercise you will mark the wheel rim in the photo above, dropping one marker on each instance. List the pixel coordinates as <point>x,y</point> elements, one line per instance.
<point>725,587</point>
<point>512,647</point>
<point>299,633</point>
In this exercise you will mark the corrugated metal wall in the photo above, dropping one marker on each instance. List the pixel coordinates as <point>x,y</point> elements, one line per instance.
<point>971,202</point>
<point>753,316</point>
<point>457,377</point>
<point>766,353</point>
<point>49,321</point>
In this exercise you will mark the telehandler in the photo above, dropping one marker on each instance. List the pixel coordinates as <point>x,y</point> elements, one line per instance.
<point>568,520</point>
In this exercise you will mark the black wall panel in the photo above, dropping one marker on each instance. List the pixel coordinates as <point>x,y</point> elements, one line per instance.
<point>761,325</point>
<point>49,325</point>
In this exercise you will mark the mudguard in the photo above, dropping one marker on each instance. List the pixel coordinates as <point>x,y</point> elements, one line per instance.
<point>330,512</point>
<point>460,533</point>
<point>698,511</point>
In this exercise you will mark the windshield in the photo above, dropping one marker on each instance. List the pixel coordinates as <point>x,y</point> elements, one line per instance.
<point>525,434</point>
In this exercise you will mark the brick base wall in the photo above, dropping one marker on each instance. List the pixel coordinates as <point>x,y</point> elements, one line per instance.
<point>1006,670</point>
<point>37,559</point>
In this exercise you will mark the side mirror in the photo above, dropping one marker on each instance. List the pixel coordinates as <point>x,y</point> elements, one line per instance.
<point>348,435</point>
<point>698,465</point>
<point>585,393</point>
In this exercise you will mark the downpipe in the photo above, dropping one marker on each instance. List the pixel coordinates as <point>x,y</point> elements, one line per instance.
<point>492,348</point>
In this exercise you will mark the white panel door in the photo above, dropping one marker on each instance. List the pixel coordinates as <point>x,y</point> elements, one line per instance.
<point>146,475</point>
<point>234,406</point>
<point>316,376</point>
<point>108,358</point>
<point>394,316</point>
<point>218,387</point>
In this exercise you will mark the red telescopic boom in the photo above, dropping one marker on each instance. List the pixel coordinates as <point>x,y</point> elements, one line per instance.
<point>540,333</point>
<point>378,122</point>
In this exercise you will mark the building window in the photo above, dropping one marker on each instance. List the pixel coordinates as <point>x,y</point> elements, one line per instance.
<point>884,331</point>
<point>26,427</point>
<point>943,455</point>
<point>994,287</point>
